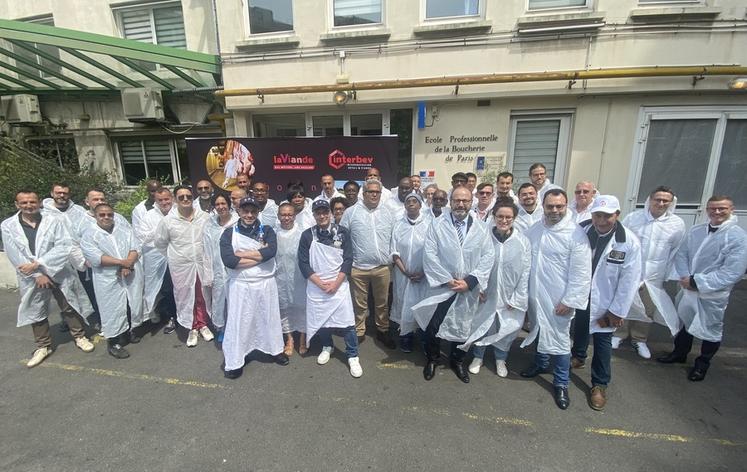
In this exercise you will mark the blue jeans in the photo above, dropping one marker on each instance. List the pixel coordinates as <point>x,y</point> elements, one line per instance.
<point>601,367</point>
<point>479,352</point>
<point>348,334</point>
<point>561,373</point>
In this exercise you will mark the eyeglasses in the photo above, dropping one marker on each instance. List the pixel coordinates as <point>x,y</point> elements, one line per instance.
<point>184,198</point>
<point>203,188</point>
<point>715,209</point>
<point>375,192</point>
<point>580,192</point>
<point>504,218</point>
<point>105,215</point>
<point>484,193</point>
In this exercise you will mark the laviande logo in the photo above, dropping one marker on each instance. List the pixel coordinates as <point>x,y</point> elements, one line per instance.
<point>337,160</point>
<point>285,161</point>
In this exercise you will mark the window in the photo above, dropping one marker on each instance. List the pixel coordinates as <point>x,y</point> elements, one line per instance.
<point>366,125</point>
<point>732,166</point>
<point>328,125</point>
<point>144,159</point>
<point>162,25</point>
<point>57,149</point>
<point>279,126</point>
<point>450,8</point>
<point>270,16</point>
<point>356,12</point>
<point>668,1</point>
<point>321,123</point>
<point>36,59</point>
<point>542,139</point>
<point>546,4</point>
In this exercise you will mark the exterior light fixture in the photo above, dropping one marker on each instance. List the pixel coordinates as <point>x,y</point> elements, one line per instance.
<point>738,83</point>
<point>340,97</point>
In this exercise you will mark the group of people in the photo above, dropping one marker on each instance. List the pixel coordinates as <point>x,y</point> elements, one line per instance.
<point>472,265</point>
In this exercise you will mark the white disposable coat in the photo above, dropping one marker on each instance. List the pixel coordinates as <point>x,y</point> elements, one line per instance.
<point>180,240</point>
<point>323,196</point>
<point>561,273</point>
<point>74,220</point>
<point>290,281</point>
<point>114,292</point>
<point>395,207</point>
<point>500,318</point>
<point>717,261</point>
<point>408,241</point>
<point>154,261</point>
<point>138,215</point>
<point>444,259</point>
<point>616,280</point>
<point>660,239</point>
<point>269,216</point>
<point>371,232</point>
<point>582,215</point>
<point>253,321</point>
<point>211,246</point>
<point>525,220</point>
<point>53,244</point>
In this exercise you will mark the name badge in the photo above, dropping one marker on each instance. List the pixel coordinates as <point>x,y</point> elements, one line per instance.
<point>616,257</point>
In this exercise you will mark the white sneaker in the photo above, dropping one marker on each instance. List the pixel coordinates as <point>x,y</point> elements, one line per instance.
<point>324,355</point>
<point>501,369</point>
<point>84,344</point>
<point>206,334</point>
<point>192,338</point>
<point>355,367</point>
<point>474,366</point>
<point>616,342</point>
<point>642,350</point>
<point>38,356</point>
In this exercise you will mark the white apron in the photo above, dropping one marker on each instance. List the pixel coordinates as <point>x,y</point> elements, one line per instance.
<point>324,310</point>
<point>253,315</point>
<point>291,283</point>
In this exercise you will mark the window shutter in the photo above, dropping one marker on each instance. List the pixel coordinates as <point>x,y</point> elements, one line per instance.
<point>170,27</point>
<point>136,25</point>
<point>131,152</point>
<point>535,141</point>
<point>157,152</point>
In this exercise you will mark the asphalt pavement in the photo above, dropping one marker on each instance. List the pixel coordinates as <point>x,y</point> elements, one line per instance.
<point>169,408</point>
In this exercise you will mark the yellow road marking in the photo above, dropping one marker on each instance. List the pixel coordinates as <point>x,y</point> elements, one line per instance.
<point>125,375</point>
<point>393,365</point>
<point>499,420</point>
<point>635,435</point>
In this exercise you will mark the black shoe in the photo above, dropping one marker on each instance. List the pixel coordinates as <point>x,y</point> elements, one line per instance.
<point>697,374</point>
<point>672,358</point>
<point>64,328</point>
<point>116,350</point>
<point>282,359</point>
<point>460,371</point>
<point>405,344</point>
<point>170,326</point>
<point>561,397</point>
<point>429,371</point>
<point>532,372</point>
<point>384,339</point>
<point>233,374</point>
<point>134,337</point>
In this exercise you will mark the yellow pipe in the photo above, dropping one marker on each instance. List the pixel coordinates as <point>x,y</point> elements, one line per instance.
<point>612,73</point>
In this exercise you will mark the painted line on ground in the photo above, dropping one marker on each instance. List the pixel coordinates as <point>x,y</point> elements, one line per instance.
<point>126,375</point>
<point>621,433</point>
<point>499,420</point>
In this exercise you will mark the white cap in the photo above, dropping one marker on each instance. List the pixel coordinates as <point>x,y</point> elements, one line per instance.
<point>605,204</point>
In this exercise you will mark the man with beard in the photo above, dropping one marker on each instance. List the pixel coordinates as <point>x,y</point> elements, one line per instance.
<point>529,211</point>
<point>204,196</point>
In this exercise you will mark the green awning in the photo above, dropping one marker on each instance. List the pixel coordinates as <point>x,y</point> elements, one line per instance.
<point>37,58</point>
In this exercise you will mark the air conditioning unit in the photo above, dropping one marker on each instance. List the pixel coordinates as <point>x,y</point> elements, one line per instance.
<point>142,104</point>
<point>20,109</point>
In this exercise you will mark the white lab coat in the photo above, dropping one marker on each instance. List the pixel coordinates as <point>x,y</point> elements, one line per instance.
<point>500,318</point>
<point>138,215</point>
<point>395,207</point>
<point>561,273</point>
<point>408,241</point>
<point>74,219</point>
<point>582,215</point>
<point>525,220</point>
<point>615,282</point>
<point>211,246</point>
<point>323,196</point>
<point>269,216</point>
<point>113,292</point>
<point>291,283</point>
<point>53,245</point>
<point>445,260</point>
<point>305,218</point>
<point>196,205</point>
<point>660,239</point>
<point>717,261</point>
<point>154,262</point>
<point>180,240</point>
<point>371,232</point>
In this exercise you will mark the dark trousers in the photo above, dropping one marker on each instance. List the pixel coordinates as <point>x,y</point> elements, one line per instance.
<point>683,343</point>
<point>167,305</point>
<point>432,343</point>
<point>601,363</point>
<point>580,334</point>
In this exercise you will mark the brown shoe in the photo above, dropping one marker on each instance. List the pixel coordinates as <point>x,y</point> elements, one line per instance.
<point>598,398</point>
<point>577,363</point>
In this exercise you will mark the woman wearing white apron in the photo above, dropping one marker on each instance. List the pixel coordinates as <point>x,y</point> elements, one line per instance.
<point>410,286</point>
<point>325,257</point>
<point>291,283</point>
<point>222,219</point>
<point>501,316</point>
<point>248,250</point>
<point>113,253</point>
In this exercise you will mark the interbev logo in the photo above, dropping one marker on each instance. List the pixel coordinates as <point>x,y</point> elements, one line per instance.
<point>337,160</point>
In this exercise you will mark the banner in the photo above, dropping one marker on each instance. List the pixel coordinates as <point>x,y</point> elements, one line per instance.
<point>278,161</point>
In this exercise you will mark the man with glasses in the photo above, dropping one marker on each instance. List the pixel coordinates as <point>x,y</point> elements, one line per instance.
<point>338,205</point>
<point>711,260</point>
<point>370,225</point>
<point>538,177</point>
<point>204,196</point>
<point>485,202</point>
<point>457,259</point>
<point>438,202</point>
<point>559,282</point>
<point>179,236</point>
<point>268,209</point>
<point>584,197</point>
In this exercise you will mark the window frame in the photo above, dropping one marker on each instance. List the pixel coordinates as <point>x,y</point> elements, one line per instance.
<point>47,20</point>
<point>175,166</point>
<point>331,19</point>
<point>248,24</point>
<point>149,6</point>
<point>659,3</point>
<point>587,7</point>
<point>346,114</point>
<point>481,6</point>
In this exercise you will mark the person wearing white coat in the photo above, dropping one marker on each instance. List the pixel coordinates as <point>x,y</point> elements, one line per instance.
<point>616,271</point>
<point>409,284</point>
<point>458,257</point>
<point>179,236</point>
<point>223,217</point>
<point>538,177</point>
<point>530,211</point>
<point>559,282</point>
<point>328,189</point>
<point>204,199</point>
<point>291,282</point>
<point>112,251</point>
<point>268,209</point>
<point>501,315</point>
<point>302,205</point>
<point>138,213</point>
<point>583,198</point>
<point>396,204</point>
<point>711,260</point>
<point>38,246</point>
<point>660,232</point>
